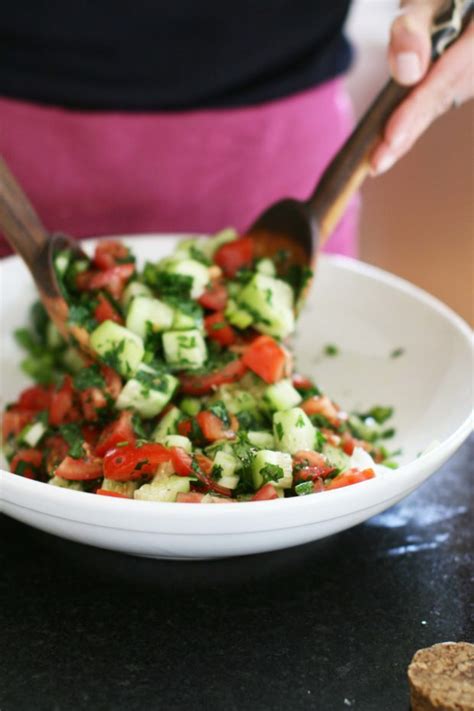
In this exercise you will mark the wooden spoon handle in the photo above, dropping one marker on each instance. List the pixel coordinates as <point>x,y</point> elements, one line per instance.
<point>347,171</point>
<point>18,220</point>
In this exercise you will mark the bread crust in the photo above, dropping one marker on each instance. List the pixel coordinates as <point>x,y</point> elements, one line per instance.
<point>441,678</point>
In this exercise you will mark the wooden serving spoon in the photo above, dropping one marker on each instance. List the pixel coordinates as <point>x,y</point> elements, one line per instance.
<point>301,228</point>
<point>28,237</point>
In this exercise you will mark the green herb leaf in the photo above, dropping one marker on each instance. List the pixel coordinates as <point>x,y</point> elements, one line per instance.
<point>306,487</point>
<point>89,378</point>
<point>331,350</point>
<point>272,472</point>
<point>73,436</point>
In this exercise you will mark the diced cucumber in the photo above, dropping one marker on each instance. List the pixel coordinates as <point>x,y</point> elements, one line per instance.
<point>236,400</point>
<point>32,434</point>
<point>190,249</point>
<point>145,313</point>
<point>184,322</point>
<point>293,431</point>
<point>53,337</point>
<point>118,347</point>
<point>336,457</point>
<point>73,360</point>
<point>190,406</point>
<point>66,483</point>
<point>134,289</point>
<point>220,446</point>
<point>174,440</point>
<point>184,350</point>
<point>61,261</point>
<point>190,267</point>
<point>212,244</point>
<point>148,393</point>
<point>273,467</point>
<point>225,464</point>
<point>282,396</point>
<point>262,440</point>
<point>270,301</point>
<point>230,482</point>
<point>167,425</point>
<point>237,316</point>
<point>266,266</point>
<point>163,489</point>
<point>126,488</point>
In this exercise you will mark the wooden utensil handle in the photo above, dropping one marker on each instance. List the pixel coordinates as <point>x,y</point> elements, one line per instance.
<point>19,222</point>
<point>347,171</point>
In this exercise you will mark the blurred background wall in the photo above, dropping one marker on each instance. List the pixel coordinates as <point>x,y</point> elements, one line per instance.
<point>417,219</point>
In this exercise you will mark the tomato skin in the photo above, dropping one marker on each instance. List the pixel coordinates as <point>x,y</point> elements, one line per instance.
<point>92,400</point>
<point>33,457</point>
<point>301,383</point>
<point>182,461</point>
<point>266,358</point>
<point>83,469</point>
<point>215,297</point>
<point>112,280</point>
<point>266,493</point>
<point>104,311</point>
<point>56,450</point>
<point>218,329</point>
<point>14,420</point>
<point>203,384</point>
<point>322,405</point>
<point>235,255</point>
<point>61,403</point>
<point>113,381</point>
<point>353,476</point>
<point>192,497</point>
<point>120,430</point>
<point>311,466</point>
<point>121,463</point>
<point>108,252</point>
<point>213,428</point>
<point>36,398</point>
<point>115,494</point>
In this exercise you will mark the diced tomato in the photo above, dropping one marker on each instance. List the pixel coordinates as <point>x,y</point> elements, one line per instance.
<point>14,420</point>
<point>204,463</point>
<point>266,358</point>
<point>301,383</point>
<point>61,403</point>
<point>349,443</point>
<point>35,398</point>
<point>127,463</point>
<point>121,430</point>
<point>318,486</point>
<point>213,428</point>
<point>310,466</point>
<point>112,280</point>
<point>104,311</point>
<point>83,469</point>
<point>215,297</point>
<point>219,330</point>
<point>91,434</point>
<point>353,476</point>
<point>113,381</point>
<point>203,473</point>
<point>105,492</point>
<point>182,461</point>
<point>185,427</point>
<point>266,493</point>
<point>192,497</point>
<point>108,252</point>
<point>309,458</point>
<point>33,459</point>
<point>92,401</point>
<point>322,405</point>
<point>203,384</point>
<point>235,255</point>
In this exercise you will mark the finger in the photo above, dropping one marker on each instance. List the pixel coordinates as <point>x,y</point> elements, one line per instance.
<point>449,82</point>
<point>410,41</point>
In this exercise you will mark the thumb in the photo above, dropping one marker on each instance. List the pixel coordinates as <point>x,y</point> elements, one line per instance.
<point>410,41</point>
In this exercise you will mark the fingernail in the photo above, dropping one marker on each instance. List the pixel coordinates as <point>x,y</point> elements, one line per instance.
<point>398,140</point>
<point>385,163</point>
<point>408,68</point>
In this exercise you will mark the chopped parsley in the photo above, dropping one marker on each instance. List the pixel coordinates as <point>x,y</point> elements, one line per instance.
<point>271,472</point>
<point>300,422</point>
<point>306,487</point>
<point>331,350</point>
<point>89,378</point>
<point>279,430</point>
<point>219,410</point>
<point>379,413</point>
<point>397,352</point>
<point>81,315</point>
<point>73,436</point>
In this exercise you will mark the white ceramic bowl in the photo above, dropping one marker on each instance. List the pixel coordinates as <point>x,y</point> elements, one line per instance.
<point>367,313</point>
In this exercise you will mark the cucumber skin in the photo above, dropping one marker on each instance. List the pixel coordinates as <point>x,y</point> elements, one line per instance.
<point>167,425</point>
<point>282,396</point>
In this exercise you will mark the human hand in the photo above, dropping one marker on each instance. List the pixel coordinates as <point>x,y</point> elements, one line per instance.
<point>447,83</point>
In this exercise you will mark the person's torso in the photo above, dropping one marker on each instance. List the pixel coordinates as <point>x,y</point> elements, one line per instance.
<point>152,55</point>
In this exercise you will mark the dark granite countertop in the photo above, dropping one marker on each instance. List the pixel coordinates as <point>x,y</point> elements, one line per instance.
<point>329,625</point>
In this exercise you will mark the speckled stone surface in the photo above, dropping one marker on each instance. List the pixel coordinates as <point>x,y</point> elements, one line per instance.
<point>329,625</point>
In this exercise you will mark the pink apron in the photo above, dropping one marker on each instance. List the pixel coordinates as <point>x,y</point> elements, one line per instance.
<point>105,173</point>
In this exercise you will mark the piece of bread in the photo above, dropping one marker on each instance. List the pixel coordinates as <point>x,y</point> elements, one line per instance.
<point>442,678</point>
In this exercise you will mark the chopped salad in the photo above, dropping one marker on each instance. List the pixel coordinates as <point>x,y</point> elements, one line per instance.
<point>193,396</point>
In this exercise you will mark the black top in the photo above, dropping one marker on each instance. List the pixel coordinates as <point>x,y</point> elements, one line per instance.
<point>329,626</point>
<point>178,54</point>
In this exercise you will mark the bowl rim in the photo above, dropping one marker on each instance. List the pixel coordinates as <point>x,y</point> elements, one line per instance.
<point>52,495</point>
